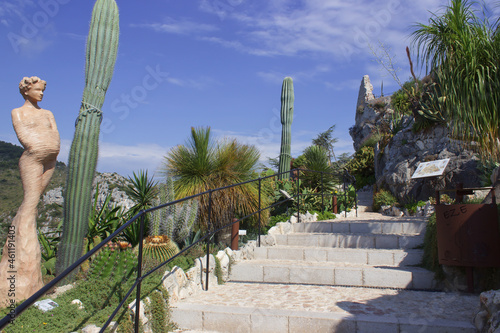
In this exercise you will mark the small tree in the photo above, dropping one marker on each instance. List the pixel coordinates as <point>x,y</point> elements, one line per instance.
<point>327,142</point>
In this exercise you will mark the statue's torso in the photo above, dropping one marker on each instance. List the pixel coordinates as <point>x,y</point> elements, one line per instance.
<point>37,132</point>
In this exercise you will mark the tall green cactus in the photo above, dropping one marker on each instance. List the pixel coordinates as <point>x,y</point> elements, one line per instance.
<point>286,121</point>
<point>102,47</point>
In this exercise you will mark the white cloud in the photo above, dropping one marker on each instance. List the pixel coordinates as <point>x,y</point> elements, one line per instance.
<point>180,27</point>
<point>269,142</point>
<point>352,84</point>
<point>199,83</point>
<point>337,28</point>
<point>277,77</point>
<point>123,159</point>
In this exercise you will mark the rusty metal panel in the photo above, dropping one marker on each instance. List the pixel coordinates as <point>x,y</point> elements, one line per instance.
<point>468,235</point>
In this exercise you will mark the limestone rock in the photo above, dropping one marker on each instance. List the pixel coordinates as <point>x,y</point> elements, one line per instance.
<point>488,319</point>
<point>53,196</point>
<point>142,316</point>
<point>174,281</point>
<point>267,240</point>
<point>79,303</point>
<point>91,329</point>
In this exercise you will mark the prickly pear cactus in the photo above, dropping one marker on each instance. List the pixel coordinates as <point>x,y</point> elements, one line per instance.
<point>102,47</point>
<point>287,98</point>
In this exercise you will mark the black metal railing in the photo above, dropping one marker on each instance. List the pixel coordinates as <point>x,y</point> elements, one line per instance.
<point>295,173</point>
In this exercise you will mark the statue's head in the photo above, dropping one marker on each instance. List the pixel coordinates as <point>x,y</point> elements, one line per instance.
<point>27,82</point>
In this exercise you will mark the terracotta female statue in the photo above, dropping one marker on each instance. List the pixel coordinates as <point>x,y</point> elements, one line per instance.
<point>20,272</point>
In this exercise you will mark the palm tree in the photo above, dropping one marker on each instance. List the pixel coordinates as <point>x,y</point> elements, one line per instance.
<point>463,54</point>
<point>202,164</point>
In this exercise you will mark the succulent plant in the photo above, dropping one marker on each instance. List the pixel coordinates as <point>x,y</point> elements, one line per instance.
<point>160,248</point>
<point>174,221</point>
<point>102,46</point>
<point>287,98</point>
<point>115,264</point>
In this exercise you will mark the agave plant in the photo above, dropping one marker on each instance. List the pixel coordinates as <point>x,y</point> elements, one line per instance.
<point>143,191</point>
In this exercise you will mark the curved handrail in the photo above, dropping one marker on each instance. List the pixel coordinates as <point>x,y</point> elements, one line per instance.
<point>137,284</point>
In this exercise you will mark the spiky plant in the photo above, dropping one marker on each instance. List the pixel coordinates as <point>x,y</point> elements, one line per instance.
<point>116,264</point>
<point>160,248</point>
<point>203,163</point>
<point>287,98</point>
<point>174,221</point>
<point>461,48</point>
<point>102,46</point>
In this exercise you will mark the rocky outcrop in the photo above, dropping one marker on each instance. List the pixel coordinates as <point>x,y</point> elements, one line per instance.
<point>366,115</point>
<point>108,183</point>
<point>396,162</point>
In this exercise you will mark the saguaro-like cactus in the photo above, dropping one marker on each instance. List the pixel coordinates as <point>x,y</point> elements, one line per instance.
<point>286,121</point>
<point>102,47</point>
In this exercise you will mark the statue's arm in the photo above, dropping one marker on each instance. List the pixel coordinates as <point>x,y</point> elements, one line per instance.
<point>52,120</point>
<point>21,129</point>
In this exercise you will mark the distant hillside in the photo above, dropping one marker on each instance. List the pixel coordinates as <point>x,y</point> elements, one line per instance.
<point>50,209</point>
<point>11,188</point>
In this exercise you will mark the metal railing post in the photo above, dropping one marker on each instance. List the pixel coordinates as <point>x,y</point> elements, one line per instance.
<point>208,238</point>
<point>345,195</point>
<point>322,194</point>
<point>139,276</point>
<point>260,187</point>
<point>298,195</point>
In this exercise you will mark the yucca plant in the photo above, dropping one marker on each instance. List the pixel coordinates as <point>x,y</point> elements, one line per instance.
<point>202,164</point>
<point>102,47</point>
<point>316,158</point>
<point>463,52</point>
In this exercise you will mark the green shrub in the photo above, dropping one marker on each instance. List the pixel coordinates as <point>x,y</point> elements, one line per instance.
<point>430,259</point>
<point>362,166</point>
<point>160,312</point>
<point>401,102</point>
<point>383,198</point>
<point>326,215</point>
<point>486,168</point>
<point>412,206</point>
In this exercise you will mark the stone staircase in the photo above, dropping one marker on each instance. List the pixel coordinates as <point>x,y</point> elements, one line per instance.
<point>343,275</point>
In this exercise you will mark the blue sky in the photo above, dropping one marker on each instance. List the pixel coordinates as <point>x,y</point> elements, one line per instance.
<point>217,63</point>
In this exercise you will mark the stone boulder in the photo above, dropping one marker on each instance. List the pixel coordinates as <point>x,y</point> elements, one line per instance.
<point>488,318</point>
<point>396,163</point>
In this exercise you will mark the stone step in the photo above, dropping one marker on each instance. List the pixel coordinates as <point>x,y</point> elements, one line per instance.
<point>392,257</point>
<point>365,241</point>
<point>278,308</point>
<point>334,274</point>
<point>361,227</point>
